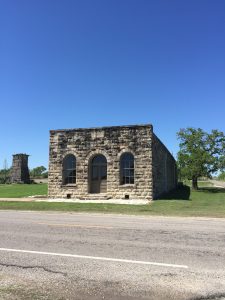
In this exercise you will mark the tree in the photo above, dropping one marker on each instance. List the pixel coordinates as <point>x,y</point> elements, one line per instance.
<point>5,168</point>
<point>201,153</point>
<point>222,176</point>
<point>5,173</point>
<point>37,172</point>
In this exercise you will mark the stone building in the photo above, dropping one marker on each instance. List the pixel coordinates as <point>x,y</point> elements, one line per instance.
<point>118,162</point>
<point>20,171</point>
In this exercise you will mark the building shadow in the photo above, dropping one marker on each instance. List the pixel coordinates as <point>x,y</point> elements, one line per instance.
<point>181,193</point>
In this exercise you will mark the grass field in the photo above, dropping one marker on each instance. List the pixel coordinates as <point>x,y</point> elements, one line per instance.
<point>22,190</point>
<point>200,183</point>
<point>206,202</point>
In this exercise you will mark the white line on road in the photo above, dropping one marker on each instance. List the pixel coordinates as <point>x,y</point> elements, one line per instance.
<point>96,258</point>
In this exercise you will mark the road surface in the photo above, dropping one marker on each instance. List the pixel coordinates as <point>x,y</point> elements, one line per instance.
<point>46,255</point>
<point>218,183</point>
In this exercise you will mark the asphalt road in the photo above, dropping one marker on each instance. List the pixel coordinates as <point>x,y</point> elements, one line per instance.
<point>96,256</point>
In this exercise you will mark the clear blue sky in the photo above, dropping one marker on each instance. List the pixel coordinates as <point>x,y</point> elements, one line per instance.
<point>73,63</point>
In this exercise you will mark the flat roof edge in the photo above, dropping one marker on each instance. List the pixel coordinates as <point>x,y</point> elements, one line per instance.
<point>102,128</point>
<point>163,145</point>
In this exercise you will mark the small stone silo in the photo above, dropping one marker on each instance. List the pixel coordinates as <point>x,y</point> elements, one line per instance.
<point>20,171</point>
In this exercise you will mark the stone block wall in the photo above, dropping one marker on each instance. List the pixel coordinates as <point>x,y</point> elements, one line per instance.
<point>112,142</point>
<point>20,171</point>
<point>164,168</point>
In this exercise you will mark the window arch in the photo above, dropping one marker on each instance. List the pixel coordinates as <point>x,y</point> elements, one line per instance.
<point>99,159</point>
<point>69,169</point>
<point>127,168</point>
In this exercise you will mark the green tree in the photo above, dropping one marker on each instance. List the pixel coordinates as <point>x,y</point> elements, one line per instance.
<point>201,153</point>
<point>5,173</point>
<point>222,176</point>
<point>37,172</point>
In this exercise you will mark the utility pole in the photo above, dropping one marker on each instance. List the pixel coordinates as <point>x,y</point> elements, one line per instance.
<point>5,168</point>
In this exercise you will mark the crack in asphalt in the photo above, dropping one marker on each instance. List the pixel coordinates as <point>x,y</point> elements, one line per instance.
<point>33,267</point>
<point>218,296</point>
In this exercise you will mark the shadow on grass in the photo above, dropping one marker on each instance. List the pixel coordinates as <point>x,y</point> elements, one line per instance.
<point>181,193</point>
<point>211,190</point>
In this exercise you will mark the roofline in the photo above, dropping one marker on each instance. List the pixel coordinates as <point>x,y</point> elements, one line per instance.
<point>102,128</point>
<point>167,150</point>
<point>20,154</point>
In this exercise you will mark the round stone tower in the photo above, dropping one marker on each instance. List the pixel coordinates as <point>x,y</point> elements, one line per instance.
<point>20,171</point>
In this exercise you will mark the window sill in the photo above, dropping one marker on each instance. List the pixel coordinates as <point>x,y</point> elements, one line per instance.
<point>70,185</point>
<point>128,185</point>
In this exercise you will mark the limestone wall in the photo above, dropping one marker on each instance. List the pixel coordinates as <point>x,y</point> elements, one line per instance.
<point>112,142</point>
<point>164,168</point>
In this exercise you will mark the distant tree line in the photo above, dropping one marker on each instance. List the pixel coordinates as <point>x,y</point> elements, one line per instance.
<point>38,172</point>
<point>221,176</point>
<point>5,173</point>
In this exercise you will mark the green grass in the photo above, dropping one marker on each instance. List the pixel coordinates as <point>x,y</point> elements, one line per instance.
<point>207,202</point>
<point>22,190</point>
<point>200,183</point>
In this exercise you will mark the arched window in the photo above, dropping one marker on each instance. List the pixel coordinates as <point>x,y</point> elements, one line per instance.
<point>69,169</point>
<point>127,168</point>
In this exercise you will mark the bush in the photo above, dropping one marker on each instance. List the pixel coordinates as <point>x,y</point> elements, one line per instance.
<point>222,176</point>
<point>4,180</point>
